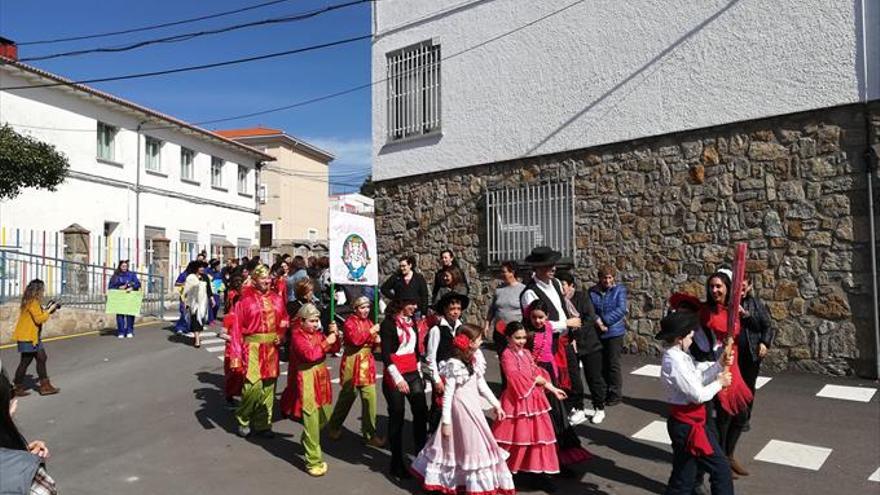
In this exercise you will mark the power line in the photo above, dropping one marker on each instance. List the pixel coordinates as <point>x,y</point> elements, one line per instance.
<point>193,67</point>
<point>192,35</point>
<point>152,27</point>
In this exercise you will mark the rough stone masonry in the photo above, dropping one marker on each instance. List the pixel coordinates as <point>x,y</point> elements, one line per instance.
<point>667,211</point>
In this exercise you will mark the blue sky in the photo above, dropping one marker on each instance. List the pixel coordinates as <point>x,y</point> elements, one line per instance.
<point>341,125</point>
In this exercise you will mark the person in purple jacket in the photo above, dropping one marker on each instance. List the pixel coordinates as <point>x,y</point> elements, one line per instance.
<point>610,301</point>
<point>123,279</point>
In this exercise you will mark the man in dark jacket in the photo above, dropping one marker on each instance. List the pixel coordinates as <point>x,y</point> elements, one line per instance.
<point>587,348</point>
<point>406,279</point>
<point>756,338</point>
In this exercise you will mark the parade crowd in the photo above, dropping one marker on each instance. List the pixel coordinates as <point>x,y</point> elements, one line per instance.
<point>544,325</point>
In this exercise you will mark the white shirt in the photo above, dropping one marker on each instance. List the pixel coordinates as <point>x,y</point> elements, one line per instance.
<point>549,290</point>
<point>687,381</point>
<point>407,346</point>
<point>434,344</point>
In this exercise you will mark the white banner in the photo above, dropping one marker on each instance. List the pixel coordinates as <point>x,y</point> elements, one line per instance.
<point>353,259</point>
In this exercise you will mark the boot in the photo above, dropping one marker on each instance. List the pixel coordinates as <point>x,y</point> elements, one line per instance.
<point>20,391</point>
<point>736,467</point>
<point>46,387</point>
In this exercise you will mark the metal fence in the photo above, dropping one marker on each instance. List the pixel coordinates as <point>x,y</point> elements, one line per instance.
<point>518,219</point>
<point>73,284</point>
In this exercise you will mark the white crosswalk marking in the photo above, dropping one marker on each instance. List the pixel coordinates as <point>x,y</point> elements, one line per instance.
<point>216,348</point>
<point>875,476</point>
<point>761,381</point>
<point>858,394</point>
<point>220,358</point>
<point>209,334</point>
<point>212,341</point>
<point>794,454</point>
<point>654,432</point>
<point>651,370</point>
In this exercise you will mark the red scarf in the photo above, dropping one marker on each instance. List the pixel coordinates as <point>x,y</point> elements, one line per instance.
<point>693,415</point>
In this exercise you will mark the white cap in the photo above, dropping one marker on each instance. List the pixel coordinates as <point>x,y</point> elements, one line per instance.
<point>727,272</point>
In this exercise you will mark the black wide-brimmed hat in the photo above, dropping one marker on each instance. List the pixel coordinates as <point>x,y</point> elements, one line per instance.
<point>407,293</point>
<point>448,298</point>
<point>543,256</point>
<point>677,324</point>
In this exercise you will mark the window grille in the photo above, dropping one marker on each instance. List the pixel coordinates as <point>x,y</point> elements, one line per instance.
<point>216,172</point>
<point>187,170</point>
<point>521,218</point>
<point>413,91</point>
<point>242,179</point>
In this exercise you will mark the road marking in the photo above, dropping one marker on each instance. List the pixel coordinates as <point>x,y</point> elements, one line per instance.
<point>794,454</point>
<point>858,394</point>
<point>651,370</point>
<point>654,432</point>
<point>284,373</point>
<point>213,341</point>
<point>216,348</point>
<point>761,381</point>
<point>221,358</point>
<point>875,476</point>
<point>209,334</point>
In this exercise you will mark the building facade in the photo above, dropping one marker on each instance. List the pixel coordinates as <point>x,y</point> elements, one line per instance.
<point>293,190</point>
<point>135,175</point>
<point>651,135</point>
<point>352,203</point>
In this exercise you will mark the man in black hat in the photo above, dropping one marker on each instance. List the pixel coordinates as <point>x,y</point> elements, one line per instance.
<point>439,348</point>
<point>688,384</point>
<point>545,287</point>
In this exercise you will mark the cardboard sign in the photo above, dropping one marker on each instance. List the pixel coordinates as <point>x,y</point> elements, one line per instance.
<point>120,302</point>
<point>353,259</point>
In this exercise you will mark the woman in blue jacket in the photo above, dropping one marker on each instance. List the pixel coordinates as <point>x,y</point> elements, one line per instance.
<point>123,279</point>
<point>610,302</point>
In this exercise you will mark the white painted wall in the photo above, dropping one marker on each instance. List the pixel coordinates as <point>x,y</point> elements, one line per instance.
<point>605,71</point>
<point>69,122</point>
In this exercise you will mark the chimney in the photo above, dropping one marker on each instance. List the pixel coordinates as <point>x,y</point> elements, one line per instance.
<point>8,49</point>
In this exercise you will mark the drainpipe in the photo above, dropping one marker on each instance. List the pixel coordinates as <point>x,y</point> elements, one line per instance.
<point>872,156</point>
<point>137,198</point>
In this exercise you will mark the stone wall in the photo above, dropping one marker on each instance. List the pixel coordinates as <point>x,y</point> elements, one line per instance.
<point>666,211</point>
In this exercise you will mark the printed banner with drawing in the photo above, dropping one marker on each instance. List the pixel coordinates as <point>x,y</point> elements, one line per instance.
<point>353,259</point>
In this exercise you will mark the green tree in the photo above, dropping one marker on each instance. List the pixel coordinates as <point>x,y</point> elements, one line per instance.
<point>28,162</point>
<point>368,188</point>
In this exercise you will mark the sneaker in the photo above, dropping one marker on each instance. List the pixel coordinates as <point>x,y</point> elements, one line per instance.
<point>243,431</point>
<point>598,417</point>
<point>129,336</point>
<point>319,470</point>
<point>376,441</point>
<point>120,336</point>
<point>577,417</point>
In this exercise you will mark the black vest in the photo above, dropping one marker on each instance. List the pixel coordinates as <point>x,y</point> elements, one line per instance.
<point>553,313</point>
<point>444,348</point>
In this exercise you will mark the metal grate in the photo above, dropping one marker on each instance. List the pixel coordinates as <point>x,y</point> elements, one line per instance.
<point>413,94</point>
<point>519,219</point>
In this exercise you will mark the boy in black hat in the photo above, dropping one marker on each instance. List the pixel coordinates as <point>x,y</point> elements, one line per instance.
<point>439,348</point>
<point>688,384</point>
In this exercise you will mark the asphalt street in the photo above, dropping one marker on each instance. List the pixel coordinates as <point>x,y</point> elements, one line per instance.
<point>147,416</point>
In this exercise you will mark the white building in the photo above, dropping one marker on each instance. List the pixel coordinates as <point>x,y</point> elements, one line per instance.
<point>352,203</point>
<point>480,82</point>
<point>134,174</point>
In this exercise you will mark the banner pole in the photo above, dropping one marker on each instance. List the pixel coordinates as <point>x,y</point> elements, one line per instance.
<point>332,302</point>
<point>375,304</point>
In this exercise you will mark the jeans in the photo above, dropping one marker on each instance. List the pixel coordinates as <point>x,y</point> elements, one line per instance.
<point>24,364</point>
<point>595,380</point>
<point>685,465</point>
<point>611,368</point>
<point>124,325</point>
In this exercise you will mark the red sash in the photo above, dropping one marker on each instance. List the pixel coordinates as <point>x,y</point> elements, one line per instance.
<point>405,363</point>
<point>693,415</point>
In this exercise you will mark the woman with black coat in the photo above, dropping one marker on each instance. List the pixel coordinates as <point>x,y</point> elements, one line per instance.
<point>407,280</point>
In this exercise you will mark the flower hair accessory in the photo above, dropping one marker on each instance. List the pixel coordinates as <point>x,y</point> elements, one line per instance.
<point>462,342</point>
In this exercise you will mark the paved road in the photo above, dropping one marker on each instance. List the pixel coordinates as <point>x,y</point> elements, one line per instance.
<point>146,416</point>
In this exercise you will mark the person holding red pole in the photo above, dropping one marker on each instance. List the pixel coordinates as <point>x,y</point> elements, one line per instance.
<point>732,403</point>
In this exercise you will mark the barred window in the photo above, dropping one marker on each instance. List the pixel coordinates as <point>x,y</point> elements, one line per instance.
<point>521,218</point>
<point>413,92</point>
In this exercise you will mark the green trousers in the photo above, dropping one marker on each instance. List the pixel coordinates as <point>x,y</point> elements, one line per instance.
<point>312,423</point>
<point>368,408</point>
<point>257,401</point>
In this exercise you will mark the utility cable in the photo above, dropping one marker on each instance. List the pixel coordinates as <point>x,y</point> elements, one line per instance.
<point>150,28</point>
<point>197,34</point>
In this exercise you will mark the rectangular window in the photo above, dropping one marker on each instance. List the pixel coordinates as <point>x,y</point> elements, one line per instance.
<point>153,154</point>
<point>313,235</point>
<point>265,235</point>
<point>264,194</point>
<point>413,91</point>
<point>216,172</point>
<point>187,168</point>
<point>521,218</point>
<point>242,179</point>
<point>107,141</point>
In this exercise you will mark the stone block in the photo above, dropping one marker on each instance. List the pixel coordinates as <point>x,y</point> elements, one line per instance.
<point>766,151</point>
<point>830,307</point>
<point>785,290</point>
<point>792,190</point>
